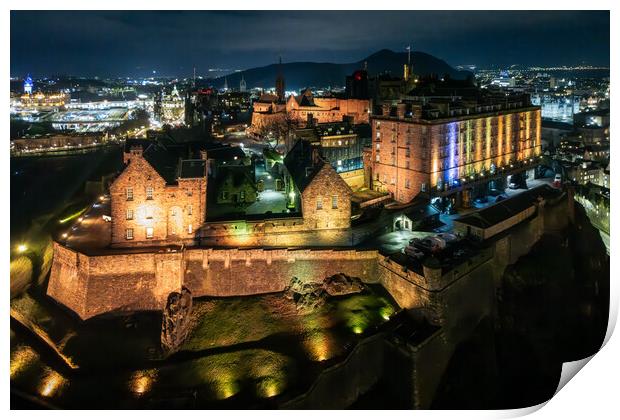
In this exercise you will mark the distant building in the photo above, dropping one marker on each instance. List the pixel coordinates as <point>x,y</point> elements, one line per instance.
<point>41,101</point>
<point>306,110</point>
<point>170,108</point>
<point>242,85</point>
<point>28,85</point>
<point>598,118</point>
<point>357,85</point>
<point>342,145</point>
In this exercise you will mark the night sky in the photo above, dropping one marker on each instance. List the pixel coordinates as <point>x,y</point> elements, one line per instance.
<point>127,43</point>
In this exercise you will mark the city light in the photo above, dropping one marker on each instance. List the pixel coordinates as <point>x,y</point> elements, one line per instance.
<point>22,248</point>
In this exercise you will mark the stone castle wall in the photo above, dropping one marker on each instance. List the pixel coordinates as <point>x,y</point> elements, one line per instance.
<point>97,284</point>
<point>128,280</point>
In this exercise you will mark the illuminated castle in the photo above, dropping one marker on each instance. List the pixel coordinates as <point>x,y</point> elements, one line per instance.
<point>446,145</point>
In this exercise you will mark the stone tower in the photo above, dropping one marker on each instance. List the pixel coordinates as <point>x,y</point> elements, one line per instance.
<point>242,85</point>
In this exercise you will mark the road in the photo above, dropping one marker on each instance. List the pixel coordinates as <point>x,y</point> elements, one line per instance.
<point>90,231</point>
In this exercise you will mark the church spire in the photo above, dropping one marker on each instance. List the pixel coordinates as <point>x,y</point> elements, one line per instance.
<point>280,82</point>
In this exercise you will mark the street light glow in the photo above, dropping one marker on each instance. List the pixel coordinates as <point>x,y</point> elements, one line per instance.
<point>21,248</point>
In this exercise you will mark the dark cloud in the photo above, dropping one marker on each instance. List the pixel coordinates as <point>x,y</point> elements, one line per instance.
<point>171,42</point>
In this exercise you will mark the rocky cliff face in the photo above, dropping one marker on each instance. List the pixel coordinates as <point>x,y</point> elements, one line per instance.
<point>552,307</point>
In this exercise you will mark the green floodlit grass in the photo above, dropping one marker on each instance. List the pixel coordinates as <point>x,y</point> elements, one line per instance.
<point>261,320</point>
<point>257,372</point>
<point>245,349</point>
<point>260,344</point>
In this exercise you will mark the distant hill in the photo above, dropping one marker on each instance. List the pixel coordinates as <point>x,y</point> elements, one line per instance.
<point>303,74</point>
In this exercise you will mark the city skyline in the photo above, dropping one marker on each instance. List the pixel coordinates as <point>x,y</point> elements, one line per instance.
<point>130,43</point>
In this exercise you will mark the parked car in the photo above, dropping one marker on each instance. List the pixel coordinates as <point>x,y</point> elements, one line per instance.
<point>429,244</point>
<point>513,186</point>
<point>557,180</point>
<point>413,252</point>
<point>481,200</point>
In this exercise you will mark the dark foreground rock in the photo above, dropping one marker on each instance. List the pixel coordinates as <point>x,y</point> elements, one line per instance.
<point>176,318</point>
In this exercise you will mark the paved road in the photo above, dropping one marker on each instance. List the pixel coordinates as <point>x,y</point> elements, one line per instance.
<point>91,232</point>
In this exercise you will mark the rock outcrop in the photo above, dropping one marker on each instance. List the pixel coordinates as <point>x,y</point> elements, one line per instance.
<point>309,296</point>
<point>175,322</point>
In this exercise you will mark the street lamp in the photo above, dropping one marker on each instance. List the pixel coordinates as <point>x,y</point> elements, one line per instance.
<point>21,248</point>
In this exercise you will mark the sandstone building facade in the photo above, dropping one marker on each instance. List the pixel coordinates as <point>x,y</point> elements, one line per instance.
<point>325,196</point>
<point>158,199</point>
<point>436,145</point>
<point>299,110</point>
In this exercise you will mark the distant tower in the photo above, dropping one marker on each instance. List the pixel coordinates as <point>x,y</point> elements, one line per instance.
<point>407,72</point>
<point>280,82</point>
<point>28,84</point>
<point>242,85</point>
<point>194,79</point>
<point>225,83</point>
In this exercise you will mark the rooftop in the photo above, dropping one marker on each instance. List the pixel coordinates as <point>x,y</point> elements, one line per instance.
<point>505,209</point>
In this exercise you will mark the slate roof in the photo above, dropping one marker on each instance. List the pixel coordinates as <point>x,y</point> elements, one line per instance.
<point>299,163</point>
<point>192,168</point>
<point>164,162</point>
<point>505,209</point>
<point>225,153</point>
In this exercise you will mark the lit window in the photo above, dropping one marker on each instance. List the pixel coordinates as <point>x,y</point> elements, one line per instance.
<point>129,215</point>
<point>149,193</point>
<point>319,203</point>
<point>190,229</point>
<point>129,193</point>
<point>189,210</point>
<point>129,233</point>
<point>149,233</point>
<point>173,212</point>
<point>334,201</point>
